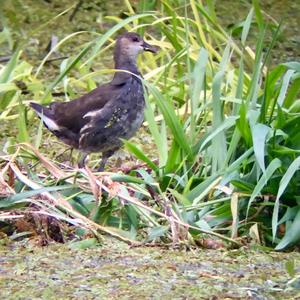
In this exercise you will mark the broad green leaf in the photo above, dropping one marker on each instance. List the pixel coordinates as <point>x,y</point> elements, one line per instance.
<point>180,198</point>
<point>201,190</point>
<point>243,125</point>
<point>292,94</point>
<point>243,185</point>
<point>293,65</point>
<point>6,87</point>
<point>126,178</point>
<point>219,145</point>
<point>285,180</point>
<point>259,136</point>
<point>281,118</point>
<point>292,234</point>
<point>140,155</point>
<point>132,217</point>
<point>272,167</point>
<point>295,107</point>
<point>173,157</point>
<point>233,146</point>
<point>239,161</point>
<point>156,232</point>
<point>285,84</point>
<point>227,123</point>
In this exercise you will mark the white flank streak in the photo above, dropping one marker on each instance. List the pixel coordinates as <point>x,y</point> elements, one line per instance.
<point>93,113</point>
<point>81,138</point>
<point>87,126</point>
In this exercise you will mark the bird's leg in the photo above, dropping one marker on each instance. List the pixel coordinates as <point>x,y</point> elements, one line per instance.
<point>105,156</point>
<point>71,154</point>
<point>61,155</point>
<point>82,160</point>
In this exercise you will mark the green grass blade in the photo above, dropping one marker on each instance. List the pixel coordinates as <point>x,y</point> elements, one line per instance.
<point>246,27</point>
<point>258,14</point>
<point>234,206</point>
<point>292,94</point>
<point>23,135</point>
<point>255,80</point>
<point>259,136</point>
<point>159,139</point>
<point>292,235</point>
<point>273,166</point>
<point>172,120</point>
<point>285,85</point>
<point>72,64</point>
<point>127,178</point>
<point>201,190</point>
<point>243,125</point>
<point>12,200</point>
<point>39,68</point>
<point>197,86</point>
<point>219,145</point>
<point>228,123</point>
<point>7,71</point>
<point>285,180</point>
<point>239,161</point>
<point>140,155</point>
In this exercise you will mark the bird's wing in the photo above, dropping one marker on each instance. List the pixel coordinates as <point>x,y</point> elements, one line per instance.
<point>74,114</point>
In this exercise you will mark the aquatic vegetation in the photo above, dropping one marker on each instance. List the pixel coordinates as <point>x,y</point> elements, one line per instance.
<point>115,271</point>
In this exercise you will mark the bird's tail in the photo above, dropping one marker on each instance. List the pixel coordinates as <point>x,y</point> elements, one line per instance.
<point>45,114</point>
<point>37,107</point>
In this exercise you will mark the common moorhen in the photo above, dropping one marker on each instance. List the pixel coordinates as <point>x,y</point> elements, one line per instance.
<point>98,120</point>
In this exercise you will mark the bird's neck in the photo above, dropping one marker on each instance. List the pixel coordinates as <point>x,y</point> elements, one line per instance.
<point>126,64</point>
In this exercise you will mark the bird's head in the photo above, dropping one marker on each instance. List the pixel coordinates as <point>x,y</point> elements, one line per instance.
<point>129,45</point>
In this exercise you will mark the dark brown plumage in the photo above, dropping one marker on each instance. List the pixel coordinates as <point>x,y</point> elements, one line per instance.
<point>98,120</point>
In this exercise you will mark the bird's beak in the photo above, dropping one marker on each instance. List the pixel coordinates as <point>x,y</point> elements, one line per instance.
<point>150,48</point>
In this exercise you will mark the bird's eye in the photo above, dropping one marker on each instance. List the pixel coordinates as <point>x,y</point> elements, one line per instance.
<point>135,39</point>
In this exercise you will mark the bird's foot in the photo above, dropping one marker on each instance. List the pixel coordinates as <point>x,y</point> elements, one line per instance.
<point>105,156</point>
